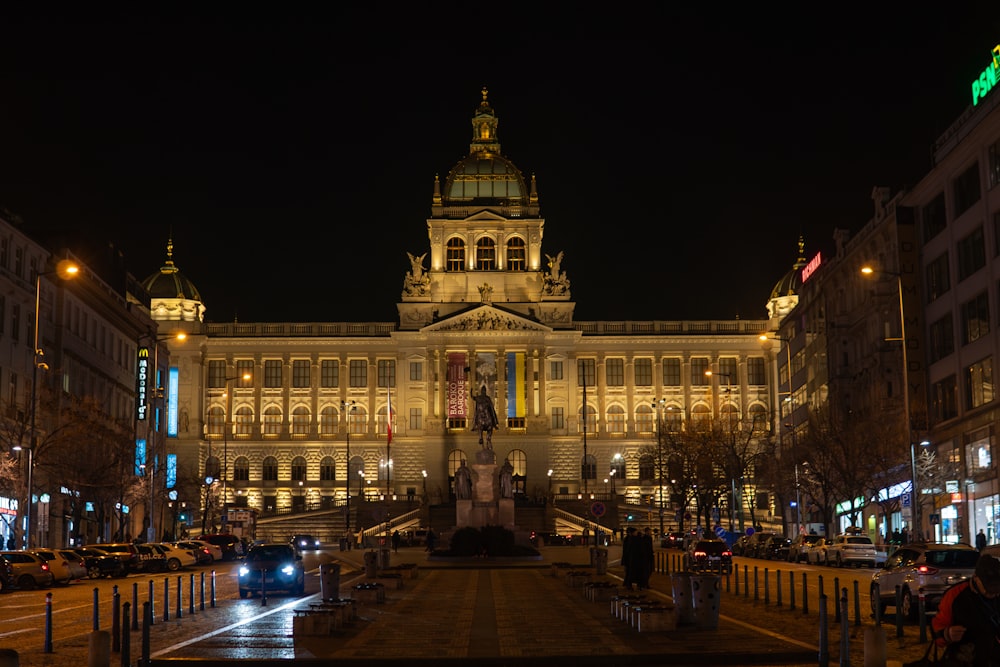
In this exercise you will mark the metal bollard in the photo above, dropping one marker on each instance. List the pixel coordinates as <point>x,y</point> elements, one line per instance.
<point>147,621</point>
<point>836,612</point>
<point>791,590</point>
<point>263,588</point>
<point>857,605</point>
<point>767,587</point>
<point>191,595</point>
<point>116,620</point>
<point>899,611</point>
<point>878,605</point>
<point>777,581</point>
<point>212,602</point>
<point>845,639</point>
<point>824,633</point>
<point>180,600</point>
<point>48,623</point>
<point>922,610</point>
<point>805,595</point>
<point>126,646</point>
<point>756,584</point>
<point>97,610</point>
<point>152,610</point>
<point>201,599</point>
<point>135,606</point>
<point>166,599</point>
<point>746,582</point>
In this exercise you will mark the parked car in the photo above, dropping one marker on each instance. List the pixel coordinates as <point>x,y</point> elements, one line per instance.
<point>550,539</point>
<point>739,547</point>
<point>205,552</point>
<point>7,581</point>
<point>231,546</point>
<point>279,564</point>
<point>64,570</point>
<point>151,558</point>
<point>776,548</point>
<point>303,541</point>
<point>755,545</point>
<point>102,563</point>
<point>30,571</point>
<point>177,557</point>
<point>77,565</point>
<point>851,549</point>
<point>129,554</point>
<point>931,567</point>
<point>816,552</point>
<point>710,556</point>
<point>800,545</point>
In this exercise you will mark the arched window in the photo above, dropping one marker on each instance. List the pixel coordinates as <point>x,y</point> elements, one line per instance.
<point>519,461</point>
<point>357,420</point>
<point>300,421</point>
<point>516,254</point>
<point>644,419</point>
<point>647,469</point>
<point>617,467</point>
<point>758,418</point>
<point>244,420</point>
<point>591,420</point>
<point>486,254</point>
<point>299,469</point>
<point>701,415</point>
<point>673,419</point>
<point>216,421</point>
<point>241,469</point>
<point>272,421</point>
<point>327,469</point>
<point>328,418</point>
<point>616,420</point>
<point>455,255</point>
<point>355,468</point>
<point>730,416</point>
<point>269,469</point>
<point>381,420</point>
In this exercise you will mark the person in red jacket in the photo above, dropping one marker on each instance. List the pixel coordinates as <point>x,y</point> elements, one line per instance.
<point>968,619</point>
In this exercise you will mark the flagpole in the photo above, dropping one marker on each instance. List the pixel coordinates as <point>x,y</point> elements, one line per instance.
<point>388,461</point>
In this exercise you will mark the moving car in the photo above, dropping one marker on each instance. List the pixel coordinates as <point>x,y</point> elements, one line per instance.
<point>931,567</point>
<point>30,571</point>
<point>710,556</point>
<point>672,540</point>
<point>303,541</point>
<point>279,564</point>
<point>851,549</point>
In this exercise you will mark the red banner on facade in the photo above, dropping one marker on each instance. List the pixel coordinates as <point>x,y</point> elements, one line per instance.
<point>457,385</point>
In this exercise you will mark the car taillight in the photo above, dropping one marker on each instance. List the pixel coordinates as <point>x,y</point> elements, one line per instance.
<point>927,569</point>
<point>727,553</point>
<point>45,567</point>
<point>700,554</point>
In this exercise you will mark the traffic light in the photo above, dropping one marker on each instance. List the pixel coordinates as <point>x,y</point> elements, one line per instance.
<point>629,517</point>
<point>182,517</point>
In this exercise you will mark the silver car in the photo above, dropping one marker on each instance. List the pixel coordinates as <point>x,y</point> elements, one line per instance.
<point>930,567</point>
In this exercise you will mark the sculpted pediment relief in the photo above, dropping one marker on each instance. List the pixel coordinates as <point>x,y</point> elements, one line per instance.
<point>486,318</point>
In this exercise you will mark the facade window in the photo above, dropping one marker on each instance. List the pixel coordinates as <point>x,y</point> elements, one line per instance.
<point>272,374</point>
<point>12,395</point>
<point>938,280</point>
<point>672,372</point>
<point>729,368</point>
<point>272,421</point>
<point>698,367</point>
<point>416,418</point>
<point>700,414</point>
<point>300,421</point>
<point>590,421</point>
<point>455,255</point>
<point>673,419</point>
<point>588,467</point>
<point>995,163</point>
<point>359,373</point>
<point>516,254</point>
<point>966,189</point>
<point>978,452</point>
<point>944,399</point>
<point>486,254</point>
<point>758,419</point>
<point>614,372</point>
<point>243,420</point>
<point>975,318</point>
<point>971,252</point>
<point>328,418</point>
<point>934,217</point>
<point>647,470</point>
<point>416,371</point>
<point>942,338</point>
<point>616,420</point>
<point>643,372</point>
<point>586,372</point>
<point>244,374</point>
<point>216,421</point>
<point>216,373</point>
<point>298,469</point>
<point>300,373</point>
<point>356,420</point>
<point>756,371</point>
<point>386,373</point>
<point>381,420</point>
<point>555,370</point>
<point>329,373</point>
<point>269,469</point>
<point>644,419</point>
<point>617,467</point>
<point>241,469</point>
<point>979,383</point>
<point>213,467</point>
<point>558,419</point>
<point>327,469</point>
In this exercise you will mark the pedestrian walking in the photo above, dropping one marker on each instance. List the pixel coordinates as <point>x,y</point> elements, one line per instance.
<point>981,540</point>
<point>395,542</point>
<point>431,540</point>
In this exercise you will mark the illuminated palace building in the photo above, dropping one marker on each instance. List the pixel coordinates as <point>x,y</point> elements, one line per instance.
<point>359,422</point>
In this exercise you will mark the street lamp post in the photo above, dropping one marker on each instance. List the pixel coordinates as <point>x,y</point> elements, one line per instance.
<point>737,497</point>
<point>612,476</point>
<point>66,269</point>
<point>348,409</point>
<point>226,422</point>
<point>798,500</point>
<point>658,412</point>
<point>914,503</point>
<point>550,485</point>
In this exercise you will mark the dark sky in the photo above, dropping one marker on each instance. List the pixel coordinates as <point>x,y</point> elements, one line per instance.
<point>679,153</point>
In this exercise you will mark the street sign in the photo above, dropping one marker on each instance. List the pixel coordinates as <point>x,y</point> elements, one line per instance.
<point>597,509</point>
<point>904,500</point>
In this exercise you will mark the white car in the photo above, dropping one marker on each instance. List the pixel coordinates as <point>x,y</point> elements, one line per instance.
<point>63,570</point>
<point>214,550</point>
<point>850,549</point>
<point>816,553</point>
<point>177,557</point>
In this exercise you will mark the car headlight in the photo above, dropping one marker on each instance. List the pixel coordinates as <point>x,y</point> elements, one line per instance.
<point>244,570</point>
<point>288,570</point>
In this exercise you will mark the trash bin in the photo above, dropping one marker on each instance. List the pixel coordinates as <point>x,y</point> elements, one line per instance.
<point>371,564</point>
<point>343,544</point>
<point>706,594</point>
<point>329,581</point>
<point>599,559</point>
<point>682,591</point>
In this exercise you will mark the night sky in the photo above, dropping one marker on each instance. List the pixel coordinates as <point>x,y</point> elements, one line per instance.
<point>679,153</point>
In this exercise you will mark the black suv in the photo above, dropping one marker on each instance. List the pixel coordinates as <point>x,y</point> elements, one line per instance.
<point>710,556</point>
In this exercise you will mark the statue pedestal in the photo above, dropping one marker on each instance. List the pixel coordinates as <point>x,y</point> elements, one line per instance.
<point>505,513</point>
<point>486,507</point>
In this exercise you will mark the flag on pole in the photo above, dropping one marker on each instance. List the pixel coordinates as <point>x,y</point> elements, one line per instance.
<point>388,416</point>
